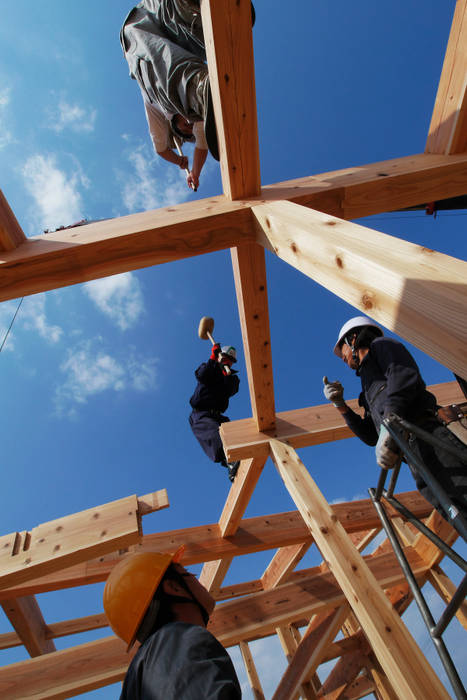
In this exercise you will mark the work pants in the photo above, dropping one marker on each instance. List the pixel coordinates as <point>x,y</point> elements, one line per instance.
<point>205,427</point>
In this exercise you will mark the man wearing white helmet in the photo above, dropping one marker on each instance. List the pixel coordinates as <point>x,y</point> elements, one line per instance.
<point>217,382</point>
<point>392,384</point>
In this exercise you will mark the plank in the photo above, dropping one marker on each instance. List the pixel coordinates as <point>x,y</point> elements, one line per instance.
<point>446,589</point>
<point>303,427</point>
<point>416,292</point>
<point>152,502</point>
<point>448,128</point>
<point>11,233</point>
<point>289,645</point>
<point>66,673</point>
<point>283,562</point>
<point>342,675</point>
<point>249,269</point>
<point>397,652</point>
<point>127,243</point>
<point>26,617</point>
<point>69,540</point>
<point>229,51</point>
<point>204,543</point>
<point>76,626</point>
<point>251,672</point>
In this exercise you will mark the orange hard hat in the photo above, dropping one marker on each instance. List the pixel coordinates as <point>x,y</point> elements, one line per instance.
<point>130,588</point>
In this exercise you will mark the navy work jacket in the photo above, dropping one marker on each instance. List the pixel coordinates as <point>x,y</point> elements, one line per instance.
<point>214,388</point>
<point>391,383</point>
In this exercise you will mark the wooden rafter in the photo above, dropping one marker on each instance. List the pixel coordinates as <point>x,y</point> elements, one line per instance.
<point>26,617</point>
<point>11,233</point>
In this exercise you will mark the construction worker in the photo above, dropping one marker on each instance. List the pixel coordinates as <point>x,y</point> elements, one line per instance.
<point>217,382</point>
<point>151,598</point>
<point>392,384</point>
<point>162,41</point>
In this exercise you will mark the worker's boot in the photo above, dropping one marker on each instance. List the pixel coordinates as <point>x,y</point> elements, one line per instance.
<point>233,469</point>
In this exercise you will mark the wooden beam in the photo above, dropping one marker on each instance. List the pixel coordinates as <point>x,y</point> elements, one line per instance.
<point>391,642</point>
<point>109,247</point>
<point>152,502</point>
<point>229,51</point>
<point>66,673</point>
<point>283,562</point>
<point>306,426</point>
<point>446,589</point>
<point>73,539</point>
<point>320,632</point>
<point>76,626</point>
<point>362,687</point>
<point>251,671</point>
<point>448,128</point>
<point>11,233</point>
<point>249,268</point>
<point>26,617</point>
<point>342,675</point>
<point>204,543</point>
<point>416,292</point>
<point>260,614</point>
<point>289,644</point>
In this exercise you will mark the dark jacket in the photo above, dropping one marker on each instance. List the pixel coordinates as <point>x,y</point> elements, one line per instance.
<point>181,662</point>
<point>391,383</point>
<point>214,388</point>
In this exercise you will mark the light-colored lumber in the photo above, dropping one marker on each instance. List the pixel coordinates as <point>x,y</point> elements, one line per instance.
<point>397,652</point>
<point>303,427</point>
<point>416,292</point>
<point>448,128</point>
<point>213,573</point>
<point>249,268</point>
<point>11,233</point>
<point>204,543</point>
<point>229,52</point>
<point>362,687</point>
<point>70,540</point>
<point>286,636</point>
<point>152,502</point>
<point>251,671</point>
<point>66,673</point>
<point>9,640</point>
<point>342,675</point>
<point>308,655</point>
<point>76,626</point>
<point>446,589</point>
<point>26,617</point>
<point>381,681</point>
<point>127,243</point>
<point>261,613</point>
<point>283,562</point>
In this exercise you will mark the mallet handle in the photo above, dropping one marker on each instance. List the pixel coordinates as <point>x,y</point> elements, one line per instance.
<point>180,153</point>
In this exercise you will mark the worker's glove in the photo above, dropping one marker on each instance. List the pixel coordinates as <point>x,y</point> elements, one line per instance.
<point>387,452</point>
<point>334,391</point>
<point>216,348</point>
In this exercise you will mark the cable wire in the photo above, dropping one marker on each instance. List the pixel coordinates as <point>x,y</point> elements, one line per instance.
<point>11,324</point>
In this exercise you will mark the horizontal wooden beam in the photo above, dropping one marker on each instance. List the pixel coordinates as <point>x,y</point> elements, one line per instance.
<point>76,626</point>
<point>109,247</point>
<point>229,52</point>
<point>448,128</point>
<point>416,292</point>
<point>205,543</point>
<point>11,233</point>
<point>304,427</point>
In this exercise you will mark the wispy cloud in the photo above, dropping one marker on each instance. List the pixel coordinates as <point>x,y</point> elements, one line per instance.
<point>6,136</point>
<point>90,370</point>
<point>150,184</point>
<point>33,317</point>
<point>71,116</point>
<point>119,297</point>
<point>56,193</point>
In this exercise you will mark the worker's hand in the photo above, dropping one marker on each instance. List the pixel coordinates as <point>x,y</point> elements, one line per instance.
<point>334,391</point>
<point>192,180</point>
<point>387,452</point>
<point>216,348</point>
<point>183,162</point>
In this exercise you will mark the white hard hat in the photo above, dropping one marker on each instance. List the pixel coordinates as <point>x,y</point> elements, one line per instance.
<point>230,351</point>
<point>356,322</point>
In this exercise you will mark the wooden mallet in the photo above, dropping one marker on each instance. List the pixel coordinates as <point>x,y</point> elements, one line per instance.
<point>205,329</point>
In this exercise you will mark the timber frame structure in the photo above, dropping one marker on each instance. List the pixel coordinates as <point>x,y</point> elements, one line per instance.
<point>418,293</point>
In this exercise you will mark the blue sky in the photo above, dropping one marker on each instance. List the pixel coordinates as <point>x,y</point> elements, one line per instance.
<point>96,378</point>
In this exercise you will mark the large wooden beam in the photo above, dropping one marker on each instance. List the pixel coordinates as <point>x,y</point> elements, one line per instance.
<point>304,427</point>
<point>204,543</point>
<point>75,538</point>
<point>108,247</point>
<point>397,652</point>
<point>249,268</point>
<point>11,233</point>
<point>229,51</point>
<point>416,292</point>
<point>448,128</point>
<point>26,617</point>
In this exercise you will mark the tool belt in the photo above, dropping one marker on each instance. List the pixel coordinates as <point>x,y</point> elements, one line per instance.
<point>454,417</point>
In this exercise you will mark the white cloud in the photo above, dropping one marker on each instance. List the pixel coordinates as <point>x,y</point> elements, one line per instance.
<point>56,193</point>
<point>90,370</point>
<point>6,136</point>
<point>119,297</point>
<point>151,184</point>
<point>71,116</point>
<point>33,317</point>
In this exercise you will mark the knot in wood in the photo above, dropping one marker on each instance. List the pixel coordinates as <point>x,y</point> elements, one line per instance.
<point>368,300</point>
<point>339,262</point>
<point>324,530</point>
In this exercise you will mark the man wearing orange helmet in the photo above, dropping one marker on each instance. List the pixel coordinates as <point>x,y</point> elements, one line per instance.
<point>151,598</point>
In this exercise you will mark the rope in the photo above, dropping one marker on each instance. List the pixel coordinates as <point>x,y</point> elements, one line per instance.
<point>11,324</point>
